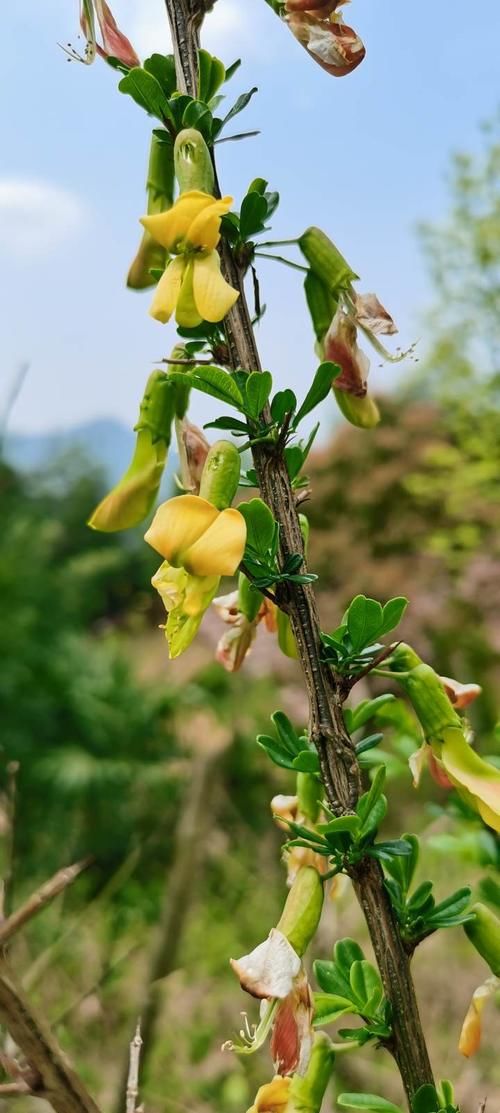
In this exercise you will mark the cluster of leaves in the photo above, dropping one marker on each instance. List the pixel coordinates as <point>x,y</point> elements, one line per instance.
<point>260,559</point>
<point>428,1099</point>
<point>153,87</point>
<point>294,751</point>
<point>249,393</point>
<point>351,985</point>
<point>346,839</point>
<point>418,914</point>
<point>257,208</point>
<point>353,645</point>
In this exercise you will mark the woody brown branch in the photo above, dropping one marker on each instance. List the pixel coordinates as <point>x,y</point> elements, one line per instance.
<point>41,898</point>
<point>326,692</point>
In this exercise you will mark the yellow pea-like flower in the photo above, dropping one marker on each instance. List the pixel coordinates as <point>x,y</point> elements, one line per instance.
<point>190,533</point>
<point>192,285</point>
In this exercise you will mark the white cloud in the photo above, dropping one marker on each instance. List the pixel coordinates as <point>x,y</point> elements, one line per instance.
<point>36,217</point>
<point>227,28</point>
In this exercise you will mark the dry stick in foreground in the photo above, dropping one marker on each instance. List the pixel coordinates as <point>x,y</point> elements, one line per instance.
<point>52,1078</point>
<point>326,691</point>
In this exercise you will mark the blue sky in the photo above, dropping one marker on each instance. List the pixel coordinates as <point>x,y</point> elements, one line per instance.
<point>365,157</point>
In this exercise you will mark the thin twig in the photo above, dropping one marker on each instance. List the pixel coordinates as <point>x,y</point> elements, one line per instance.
<point>59,1084</point>
<point>133,1074</point>
<point>15,1089</point>
<point>373,664</point>
<point>41,898</point>
<point>10,839</point>
<point>263,590</point>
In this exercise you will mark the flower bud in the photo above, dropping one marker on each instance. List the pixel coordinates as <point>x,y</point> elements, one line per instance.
<point>132,498</point>
<point>309,794</point>
<point>193,164</point>
<point>484,934</point>
<point>325,260</point>
<point>336,47</point>
<point>302,911</point>
<point>249,600</point>
<point>193,449</point>
<point>221,474</point>
<point>286,639</point>
<point>160,193</point>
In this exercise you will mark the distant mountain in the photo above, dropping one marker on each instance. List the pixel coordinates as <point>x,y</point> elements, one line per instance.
<point>105,443</point>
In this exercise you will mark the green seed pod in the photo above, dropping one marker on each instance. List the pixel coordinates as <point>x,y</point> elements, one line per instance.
<point>361,412</point>
<point>160,193</point>
<point>307,1091</point>
<point>326,261</point>
<point>309,794</point>
<point>425,690</point>
<point>132,498</point>
<point>302,911</point>
<point>193,164</point>
<point>221,474</point>
<point>484,934</point>
<point>249,600</point>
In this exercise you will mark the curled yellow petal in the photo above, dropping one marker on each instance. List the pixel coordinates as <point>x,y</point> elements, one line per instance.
<point>177,525</point>
<point>220,549</point>
<point>186,598</point>
<point>214,296</point>
<point>171,228</point>
<point>470,1036</point>
<point>467,769</point>
<point>204,232</point>
<point>272,1097</point>
<point>168,291</point>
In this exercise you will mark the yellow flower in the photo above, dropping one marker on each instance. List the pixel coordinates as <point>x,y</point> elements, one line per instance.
<point>470,1036</point>
<point>475,779</point>
<point>192,284</point>
<point>192,534</point>
<point>186,598</point>
<point>272,1097</point>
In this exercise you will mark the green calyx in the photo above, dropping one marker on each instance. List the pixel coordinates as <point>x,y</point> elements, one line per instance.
<point>302,911</point>
<point>221,474</point>
<point>307,1091</point>
<point>151,256</point>
<point>425,691</point>
<point>325,260</point>
<point>484,934</point>
<point>193,163</point>
<point>309,795</point>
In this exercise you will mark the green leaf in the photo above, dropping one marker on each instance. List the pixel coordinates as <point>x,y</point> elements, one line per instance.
<point>260,525</point>
<point>385,851</point>
<point>347,951</point>
<point>283,402</point>
<point>146,91</point>
<point>258,388</point>
<point>228,423</point>
<point>197,115</point>
<point>364,618</point>
<point>332,980</point>
<point>319,389</point>
<point>368,708</point>
<point>231,70</point>
<point>403,869</point>
<point>368,800</point>
<point>306,762</point>
<point>329,1007</point>
<point>162,67</point>
<point>238,107</point>
<point>253,214</point>
<point>213,381</point>
<point>366,986</point>
<point>211,75</point>
<point>371,1103</point>
<point>425,1100</point>
<point>367,743</point>
<point>275,751</point>
<point>349,823</point>
<point>392,614</point>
